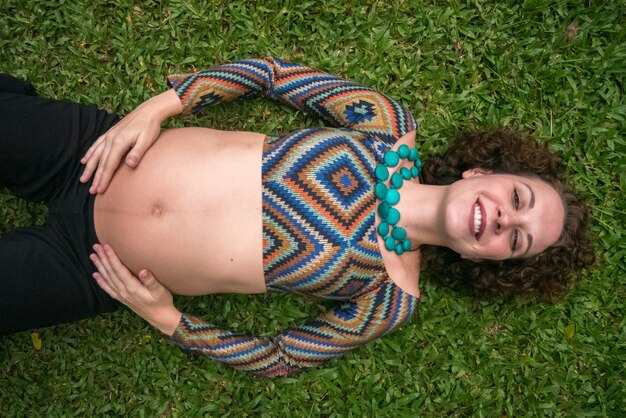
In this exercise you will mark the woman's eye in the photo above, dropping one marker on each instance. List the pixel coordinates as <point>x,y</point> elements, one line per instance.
<point>515,199</point>
<point>514,241</point>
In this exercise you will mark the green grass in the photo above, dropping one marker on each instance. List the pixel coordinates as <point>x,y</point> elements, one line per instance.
<point>553,67</point>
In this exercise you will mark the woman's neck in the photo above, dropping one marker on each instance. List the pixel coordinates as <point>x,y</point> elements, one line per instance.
<point>422,213</point>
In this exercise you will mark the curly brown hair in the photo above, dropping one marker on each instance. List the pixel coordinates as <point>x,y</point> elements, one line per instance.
<point>546,275</point>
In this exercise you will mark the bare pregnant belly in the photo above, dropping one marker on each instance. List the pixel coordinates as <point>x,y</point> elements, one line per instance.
<point>191,212</point>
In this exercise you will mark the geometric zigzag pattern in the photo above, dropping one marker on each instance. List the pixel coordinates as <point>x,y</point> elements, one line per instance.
<point>318,215</point>
<point>316,341</point>
<point>338,101</point>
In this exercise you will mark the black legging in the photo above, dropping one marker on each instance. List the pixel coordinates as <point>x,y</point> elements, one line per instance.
<point>45,271</point>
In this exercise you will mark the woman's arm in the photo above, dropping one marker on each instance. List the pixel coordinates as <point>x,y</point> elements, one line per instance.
<point>341,102</point>
<point>341,329</point>
<point>335,332</point>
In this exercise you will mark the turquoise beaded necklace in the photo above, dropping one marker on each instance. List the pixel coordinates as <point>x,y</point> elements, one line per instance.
<point>394,235</point>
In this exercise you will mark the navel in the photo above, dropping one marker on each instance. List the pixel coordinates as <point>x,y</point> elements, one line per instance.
<point>157,210</point>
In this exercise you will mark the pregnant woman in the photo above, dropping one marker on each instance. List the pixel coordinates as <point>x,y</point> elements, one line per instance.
<point>338,213</point>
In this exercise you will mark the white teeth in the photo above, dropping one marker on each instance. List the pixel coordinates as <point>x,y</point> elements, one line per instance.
<point>478,216</point>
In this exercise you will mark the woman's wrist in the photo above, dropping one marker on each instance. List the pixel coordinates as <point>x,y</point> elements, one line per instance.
<point>168,321</point>
<point>162,106</point>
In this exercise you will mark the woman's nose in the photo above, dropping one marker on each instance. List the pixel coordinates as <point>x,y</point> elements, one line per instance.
<point>502,220</point>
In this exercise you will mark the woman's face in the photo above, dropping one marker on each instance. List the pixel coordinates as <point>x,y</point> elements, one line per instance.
<point>501,216</point>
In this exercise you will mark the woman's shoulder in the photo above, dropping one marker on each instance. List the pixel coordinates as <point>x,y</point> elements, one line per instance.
<point>404,270</point>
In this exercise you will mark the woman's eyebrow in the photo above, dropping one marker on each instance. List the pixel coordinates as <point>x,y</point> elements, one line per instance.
<point>529,239</point>
<point>532,196</point>
<point>531,204</point>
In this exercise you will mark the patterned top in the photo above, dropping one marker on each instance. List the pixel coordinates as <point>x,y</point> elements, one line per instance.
<point>319,236</point>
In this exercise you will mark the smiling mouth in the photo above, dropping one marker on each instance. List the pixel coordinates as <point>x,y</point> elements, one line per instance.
<point>477,220</point>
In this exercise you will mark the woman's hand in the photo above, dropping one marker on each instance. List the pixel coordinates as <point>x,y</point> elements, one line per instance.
<point>132,136</point>
<point>145,295</point>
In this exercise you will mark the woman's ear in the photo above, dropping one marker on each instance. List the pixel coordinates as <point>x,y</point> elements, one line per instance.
<point>476,171</point>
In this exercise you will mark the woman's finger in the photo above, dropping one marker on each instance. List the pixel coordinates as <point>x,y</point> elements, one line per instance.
<point>102,270</point>
<point>147,279</point>
<point>137,151</point>
<point>95,258</point>
<point>104,267</point>
<point>112,162</point>
<point>96,178</point>
<point>91,149</point>
<point>103,283</point>
<point>121,277</point>
<point>108,163</point>
<point>114,262</point>
<point>91,164</point>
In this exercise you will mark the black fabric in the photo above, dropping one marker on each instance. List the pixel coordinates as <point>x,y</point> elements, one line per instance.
<point>45,271</point>
<point>10,84</point>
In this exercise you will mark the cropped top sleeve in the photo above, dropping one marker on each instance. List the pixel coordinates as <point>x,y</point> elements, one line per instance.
<point>343,328</point>
<point>341,102</point>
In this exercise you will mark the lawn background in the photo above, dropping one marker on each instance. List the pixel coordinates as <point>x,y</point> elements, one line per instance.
<point>555,68</point>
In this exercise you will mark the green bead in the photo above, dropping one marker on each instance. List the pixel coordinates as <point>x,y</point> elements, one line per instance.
<point>383,210</point>
<point>390,243</point>
<point>391,158</point>
<point>393,216</point>
<point>406,244</point>
<point>406,173</point>
<point>415,172</point>
<point>382,173</point>
<point>380,191</point>
<point>404,151</point>
<point>418,164</point>
<point>399,249</point>
<point>413,154</point>
<point>398,233</point>
<point>397,180</point>
<point>393,197</point>
<point>383,229</point>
